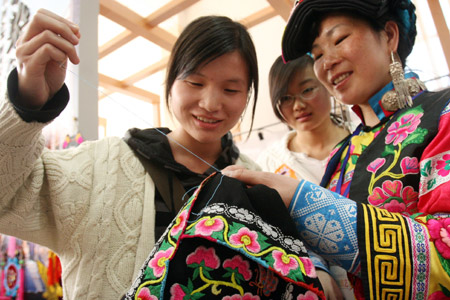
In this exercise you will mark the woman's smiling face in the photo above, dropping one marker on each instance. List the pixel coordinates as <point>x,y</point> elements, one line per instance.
<point>210,101</point>
<point>351,59</point>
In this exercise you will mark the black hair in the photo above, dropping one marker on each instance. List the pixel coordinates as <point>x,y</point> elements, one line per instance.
<point>206,39</point>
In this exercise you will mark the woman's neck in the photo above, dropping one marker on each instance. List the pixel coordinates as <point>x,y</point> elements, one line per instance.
<point>369,115</point>
<point>318,143</point>
<point>209,152</point>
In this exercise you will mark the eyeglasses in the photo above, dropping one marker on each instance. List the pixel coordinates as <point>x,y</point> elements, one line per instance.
<point>288,101</point>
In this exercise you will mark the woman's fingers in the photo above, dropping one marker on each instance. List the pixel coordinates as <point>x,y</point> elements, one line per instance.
<point>46,20</point>
<point>245,175</point>
<point>42,51</point>
<point>52,43</point>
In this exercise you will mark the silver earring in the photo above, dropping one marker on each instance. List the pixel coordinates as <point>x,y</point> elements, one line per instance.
<point>404,89</point>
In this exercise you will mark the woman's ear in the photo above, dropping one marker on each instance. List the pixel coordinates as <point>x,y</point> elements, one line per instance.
<point>392,32</point>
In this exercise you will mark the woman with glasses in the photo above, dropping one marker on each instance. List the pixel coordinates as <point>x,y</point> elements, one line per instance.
<point>301,101</point>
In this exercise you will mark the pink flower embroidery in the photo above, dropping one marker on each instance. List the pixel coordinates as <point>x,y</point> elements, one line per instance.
<point>443,165</point>
<point>375,165</point>
<point>400,130</point>
<point>246,238</point>
<point>242,266</point>
<point>440,233</point>
<point>179,223</point>
<point>308,296</point>
<point>395,206</point>
<point>283,263</point>
<point>205,257</point>
<point>176,292</point>
<point>247,296</point>
<point>410,165</point>
<point>144,294</point>
<point>158,263</point>
<point>394,191</point>
<point>207,226</point>
<point>309,267</point>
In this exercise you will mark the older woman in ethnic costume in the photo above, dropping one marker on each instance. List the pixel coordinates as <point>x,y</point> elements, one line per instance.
<point>384,215</point>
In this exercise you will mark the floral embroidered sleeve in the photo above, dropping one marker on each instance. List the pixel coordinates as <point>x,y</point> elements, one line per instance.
<point>434,187</point>
<point>415,250</point>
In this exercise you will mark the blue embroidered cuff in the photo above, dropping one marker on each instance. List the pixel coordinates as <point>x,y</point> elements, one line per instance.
<point>326,222</point>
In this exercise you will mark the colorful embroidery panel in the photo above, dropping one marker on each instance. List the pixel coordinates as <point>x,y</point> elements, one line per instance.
<point>405,258</point>
<point>217,250</point>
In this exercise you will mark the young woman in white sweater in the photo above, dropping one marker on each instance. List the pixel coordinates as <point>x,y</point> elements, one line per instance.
<point>302,102</point>
<point>95,205</point>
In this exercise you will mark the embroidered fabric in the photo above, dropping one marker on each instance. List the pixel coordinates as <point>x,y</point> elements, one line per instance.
<point>229,242</point>
<point>327,223</point>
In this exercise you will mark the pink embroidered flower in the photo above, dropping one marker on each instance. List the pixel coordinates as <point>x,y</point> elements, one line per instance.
<point>207,226</point>
<point>176,292</point>
<point>158,263</point>
<point>179,223</point>
<point>247,296</point>
<point>308,296</point>
<point>144,294</point>
<point>246,238</point>
<point>440,233</point>
<point>400,130</point>
<point>283,263</point>
<point>309,267</point>
<point>375,165</point>
<point>410,165</point>
<point>242,266</point>
<point>443,165</point>
<point>205,257</point>
<point>394,191</point>
<point>395,206</point>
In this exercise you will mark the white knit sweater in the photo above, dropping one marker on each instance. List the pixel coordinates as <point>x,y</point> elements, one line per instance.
<point>93,205</point>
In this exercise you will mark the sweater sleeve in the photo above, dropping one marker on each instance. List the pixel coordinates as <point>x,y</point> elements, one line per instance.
<point>44,194</point>
<point>47,113</point>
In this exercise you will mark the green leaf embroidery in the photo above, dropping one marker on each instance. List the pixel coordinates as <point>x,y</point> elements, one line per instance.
<point>445,290</point>
<point>388,150</point>
<point>196,296</point>
<point>196,271</point>
<point>234,227</point>
<point>417,137</point>
<point>431,183</point>
<point>426,170</point>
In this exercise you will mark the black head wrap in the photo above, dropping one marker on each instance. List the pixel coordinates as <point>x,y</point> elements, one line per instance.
<point>298,35</point>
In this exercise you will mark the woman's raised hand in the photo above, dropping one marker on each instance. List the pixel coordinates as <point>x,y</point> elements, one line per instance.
<point>42,51</point>
<point>284,185</point>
